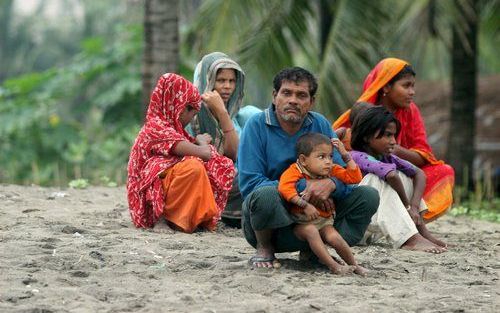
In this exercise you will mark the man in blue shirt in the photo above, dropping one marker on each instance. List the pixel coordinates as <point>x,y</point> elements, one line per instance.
<point>267,148</point>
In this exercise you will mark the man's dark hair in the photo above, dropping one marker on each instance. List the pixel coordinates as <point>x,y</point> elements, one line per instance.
<point>307,142</point>
<point>296,75</point>
<point>368,123</point>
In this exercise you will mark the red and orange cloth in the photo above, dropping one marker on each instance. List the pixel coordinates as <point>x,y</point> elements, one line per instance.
<point>440,176</point>
<point>151,155</point>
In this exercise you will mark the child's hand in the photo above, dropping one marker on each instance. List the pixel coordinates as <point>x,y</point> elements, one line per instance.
<point>337,144</point>
<point>311,212</point>
<point>203,139</point>
<point>415,215</point>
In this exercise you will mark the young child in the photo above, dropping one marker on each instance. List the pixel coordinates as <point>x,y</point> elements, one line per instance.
<point>314,225</point>
<point>345,133</point>
<point>400,183</point>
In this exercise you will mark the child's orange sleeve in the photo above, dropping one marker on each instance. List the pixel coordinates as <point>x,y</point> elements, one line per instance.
<point>288,180</point>
<point>348,176</point>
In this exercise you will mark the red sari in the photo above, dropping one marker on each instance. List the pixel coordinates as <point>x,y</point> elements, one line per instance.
<point>152,154</point>
<point>440,176</point>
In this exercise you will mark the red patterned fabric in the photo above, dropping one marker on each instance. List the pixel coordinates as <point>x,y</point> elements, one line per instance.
<point>152,153</point>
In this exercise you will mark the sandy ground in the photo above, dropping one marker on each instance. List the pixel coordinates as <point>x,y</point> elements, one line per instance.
<point>77,251</point>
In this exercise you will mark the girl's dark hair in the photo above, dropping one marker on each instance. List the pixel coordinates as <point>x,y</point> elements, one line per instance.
<point>406,71</point>
<point>307,142</point>
<point>368,123</point>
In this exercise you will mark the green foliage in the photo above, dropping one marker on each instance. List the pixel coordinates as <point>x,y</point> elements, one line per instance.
<point>76,120</point>
<point>79,183</point>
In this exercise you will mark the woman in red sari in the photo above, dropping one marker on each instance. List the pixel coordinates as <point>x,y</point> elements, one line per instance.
<point>392,84</point>
<point>172,174</point>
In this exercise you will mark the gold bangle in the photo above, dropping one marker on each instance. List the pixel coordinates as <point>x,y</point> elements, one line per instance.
<point>228,131</point>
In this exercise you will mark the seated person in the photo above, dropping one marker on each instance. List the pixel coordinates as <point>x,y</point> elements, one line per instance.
<point>314,161</point>
<point>220,80</point>
<point>166,164</point>
<point>400,184</point>
<point>267,149</point>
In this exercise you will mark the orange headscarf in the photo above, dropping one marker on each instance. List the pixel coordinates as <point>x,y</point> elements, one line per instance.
<point>381,74</point>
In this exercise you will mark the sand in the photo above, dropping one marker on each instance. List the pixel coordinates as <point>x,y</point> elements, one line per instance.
<point>67,250</point>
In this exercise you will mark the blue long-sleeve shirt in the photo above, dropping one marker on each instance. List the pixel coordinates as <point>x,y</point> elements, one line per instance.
<point>266,150</point>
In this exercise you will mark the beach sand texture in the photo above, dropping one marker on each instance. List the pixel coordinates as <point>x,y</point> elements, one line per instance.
<point>67,250</point>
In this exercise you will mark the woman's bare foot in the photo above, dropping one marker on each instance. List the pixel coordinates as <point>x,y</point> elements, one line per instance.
<point>418,243</point>
<point>342,269</point>
<point>424,231</point>
<point>358,269</point>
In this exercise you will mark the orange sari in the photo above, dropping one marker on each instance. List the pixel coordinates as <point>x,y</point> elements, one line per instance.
<point>440,176</point>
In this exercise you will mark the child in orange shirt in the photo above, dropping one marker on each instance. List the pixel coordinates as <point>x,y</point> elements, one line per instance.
<point>314,161</point>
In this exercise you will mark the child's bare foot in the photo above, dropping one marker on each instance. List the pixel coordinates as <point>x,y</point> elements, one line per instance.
<point>427,235</point>
<point>342,269</point>
<point>358,269</point>
<point>418,243</point>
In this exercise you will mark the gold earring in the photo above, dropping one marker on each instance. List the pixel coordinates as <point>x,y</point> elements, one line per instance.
<point>384,94</point>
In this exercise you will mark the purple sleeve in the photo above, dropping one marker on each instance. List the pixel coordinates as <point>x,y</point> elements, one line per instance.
<point>402,165</point>
<point>369,164</point>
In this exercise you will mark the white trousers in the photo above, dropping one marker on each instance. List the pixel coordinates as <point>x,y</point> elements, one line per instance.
<point>392,220</point>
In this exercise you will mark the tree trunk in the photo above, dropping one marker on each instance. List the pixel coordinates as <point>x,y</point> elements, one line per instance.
<point>464,91</point>
<point>161,42</point>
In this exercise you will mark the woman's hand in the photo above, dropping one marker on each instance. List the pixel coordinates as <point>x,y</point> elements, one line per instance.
<point>214,103</point>
<point>205,153</point>
<point>203,139</point>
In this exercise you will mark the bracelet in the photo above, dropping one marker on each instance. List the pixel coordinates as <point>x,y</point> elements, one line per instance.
<point>346,158</point>
<point>228,131</point>
<point>302,203</point>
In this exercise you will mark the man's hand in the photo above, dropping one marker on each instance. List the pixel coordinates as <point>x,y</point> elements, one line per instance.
<point>203,139</point>
<point>318,192</point>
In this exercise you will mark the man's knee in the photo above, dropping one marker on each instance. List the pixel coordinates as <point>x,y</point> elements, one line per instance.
<point>263,198</point>
<point>371,197</point>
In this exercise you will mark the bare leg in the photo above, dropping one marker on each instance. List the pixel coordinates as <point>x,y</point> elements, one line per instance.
<point>309,233</point>
<point>333,238</point>
<point>424,231</point>
<point>418,243</point>
<point>265,249</point>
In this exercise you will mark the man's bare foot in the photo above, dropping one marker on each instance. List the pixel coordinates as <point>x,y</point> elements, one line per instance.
<point>424,231</point>
<point>264,258</point>
<point>418,243</point>
<point>358,269</point>
<point>342,269</point>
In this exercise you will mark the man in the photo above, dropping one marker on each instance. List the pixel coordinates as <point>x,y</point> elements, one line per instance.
<point>267,148</point>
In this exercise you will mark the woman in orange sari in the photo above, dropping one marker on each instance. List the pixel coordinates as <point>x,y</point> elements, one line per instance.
<point>172,174</point>
<point>392,84</point>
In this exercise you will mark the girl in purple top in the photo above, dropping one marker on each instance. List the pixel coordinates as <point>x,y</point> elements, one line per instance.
<point>400,183</point>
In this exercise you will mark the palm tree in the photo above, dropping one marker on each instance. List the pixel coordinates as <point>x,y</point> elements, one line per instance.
<point>161,42</point>
<point>272,34</point>
<point>341,40</point>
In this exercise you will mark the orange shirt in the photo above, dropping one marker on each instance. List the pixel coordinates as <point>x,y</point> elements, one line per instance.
<point>287,184</point>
